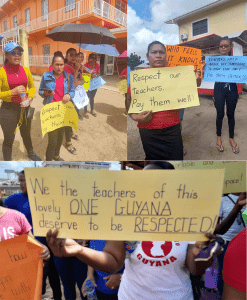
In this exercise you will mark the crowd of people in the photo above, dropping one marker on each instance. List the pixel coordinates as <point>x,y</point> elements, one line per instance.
<point>160,132</point>
<point>121,269</point>
<point>58,84</point>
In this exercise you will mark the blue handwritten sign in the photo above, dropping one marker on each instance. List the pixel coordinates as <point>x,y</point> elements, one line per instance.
<point>128,75</point>
<point>96,83</point>
<point>226,69</point>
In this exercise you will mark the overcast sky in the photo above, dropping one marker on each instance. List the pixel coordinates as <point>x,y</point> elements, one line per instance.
<point>146,21</point>
<point>20,165</point>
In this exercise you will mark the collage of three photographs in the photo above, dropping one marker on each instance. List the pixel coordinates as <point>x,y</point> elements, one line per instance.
<point>91,89</point>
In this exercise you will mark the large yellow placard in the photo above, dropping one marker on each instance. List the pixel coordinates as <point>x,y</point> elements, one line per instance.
<point>21,269</point>
<point>160,89</point>
<point>125,205</point>
<point>87,78</point>
<point>56,115</point>
<point>122,86</point>
<point>235,172</point>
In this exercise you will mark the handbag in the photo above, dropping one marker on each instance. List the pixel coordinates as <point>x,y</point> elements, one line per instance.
<point>30,112</point>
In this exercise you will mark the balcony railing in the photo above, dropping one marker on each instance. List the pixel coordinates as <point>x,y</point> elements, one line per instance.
<point>81,8</point>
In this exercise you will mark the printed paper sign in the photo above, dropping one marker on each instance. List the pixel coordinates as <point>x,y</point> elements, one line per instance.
<point>87,78</point>
<point>160,89</point>
<point>56,115</point>
<point>122,86</point>
<point>226,69</point>
<point>184,56</point>
<point>162,205</point>
<point>235,172</point>
<point>21,269</point>
<point>96,83</point>
<point>81,97</point>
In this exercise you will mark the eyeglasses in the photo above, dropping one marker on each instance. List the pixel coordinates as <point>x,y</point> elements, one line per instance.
<point>13,53</point>
<point>224,46</point>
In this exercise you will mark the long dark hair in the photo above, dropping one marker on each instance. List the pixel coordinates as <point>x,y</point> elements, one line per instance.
<point>57,54</point>
<point>154,43</point>
<point>6,61</point>
<point>67,53</point>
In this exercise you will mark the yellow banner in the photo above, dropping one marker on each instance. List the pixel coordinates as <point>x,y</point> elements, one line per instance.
<point>87,78</point>
<point>122,86</point>
<point>21,269</point>
<point>56,115</point>
<point>235,172</point>
<point>160,89</point>
<point>162,205</point>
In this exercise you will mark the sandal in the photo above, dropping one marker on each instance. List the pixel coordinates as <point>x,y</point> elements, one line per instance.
<point>86,115</point>
<point>70,148</point>
<point>184,151</point>
<point>93,112</point>
<point>219,149</point>
<point>75,137</point>
<point>234,148</point>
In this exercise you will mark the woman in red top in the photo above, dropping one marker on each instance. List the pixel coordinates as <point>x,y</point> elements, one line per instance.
<point>71,66</point>
<point>14,81</point>
<point>94,69</point>
<point>160,131</point>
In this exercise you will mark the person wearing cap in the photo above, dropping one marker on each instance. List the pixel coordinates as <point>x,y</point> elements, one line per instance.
<point>14,81</point>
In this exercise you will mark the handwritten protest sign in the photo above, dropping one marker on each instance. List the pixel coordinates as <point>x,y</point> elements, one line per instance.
<point>160,89</point>
<point>96,83</point>
<point>183,56</point>
<point>81,97</point>
<point>122,86</point>
<point>21,269</point>
<point>226,69</point>
<point>120,205</point>
<point>235,172</point>
<point>56,115</point>
<point>87,78</point>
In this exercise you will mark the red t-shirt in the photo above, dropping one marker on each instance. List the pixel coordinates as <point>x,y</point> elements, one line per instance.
<point>16,76</point>
<point>124,72</point>
<point>59,89</point>
<point>234,270</point>
<point>160,119</point>
<point>95,69</point>
<point>69,69</point>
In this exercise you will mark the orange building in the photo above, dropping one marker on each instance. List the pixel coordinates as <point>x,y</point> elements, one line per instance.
<point>38,17</point>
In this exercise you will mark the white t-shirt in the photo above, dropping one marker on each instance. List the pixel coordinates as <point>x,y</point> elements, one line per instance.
<point>156,270</point>
<point>225,208</point>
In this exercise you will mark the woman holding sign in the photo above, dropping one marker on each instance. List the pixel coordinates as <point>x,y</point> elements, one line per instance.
<point>91,67</point>
<point>153,269</point>
<point>225,93</point>
<point>160,131</point>
<point>56,85</point>
<point>14,82</point>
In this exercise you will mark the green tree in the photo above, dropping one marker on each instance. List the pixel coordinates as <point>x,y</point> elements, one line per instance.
<point>134,60</point>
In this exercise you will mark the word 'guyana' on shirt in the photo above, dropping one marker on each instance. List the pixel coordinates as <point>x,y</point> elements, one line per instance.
<point>156,263</point>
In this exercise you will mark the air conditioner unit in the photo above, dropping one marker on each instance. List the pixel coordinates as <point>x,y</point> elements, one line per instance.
<point>184,37</point>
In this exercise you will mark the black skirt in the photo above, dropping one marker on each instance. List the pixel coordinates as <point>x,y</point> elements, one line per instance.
<point>162,144</point>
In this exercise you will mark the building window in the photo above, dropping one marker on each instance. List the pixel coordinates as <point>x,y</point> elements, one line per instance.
<point>27,17</point>
<point>200,27</point>
<point>121,5</point>
<point>46,54</point>
<point>69,5</point>
<point>14,21</point>
<point>5,26</point>
<point>44,9</point>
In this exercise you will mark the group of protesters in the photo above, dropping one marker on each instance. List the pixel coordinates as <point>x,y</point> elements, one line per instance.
<point>58,84</point>
<point>160,132</point>
<point>123,270</point>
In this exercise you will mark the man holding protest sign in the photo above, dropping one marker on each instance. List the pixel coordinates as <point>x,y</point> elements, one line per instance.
<point>56,86</point>
<point>160,131</point>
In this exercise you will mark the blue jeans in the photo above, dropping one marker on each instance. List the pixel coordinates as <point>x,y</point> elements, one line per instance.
<point>220,283</point>
<point>71,271</point>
